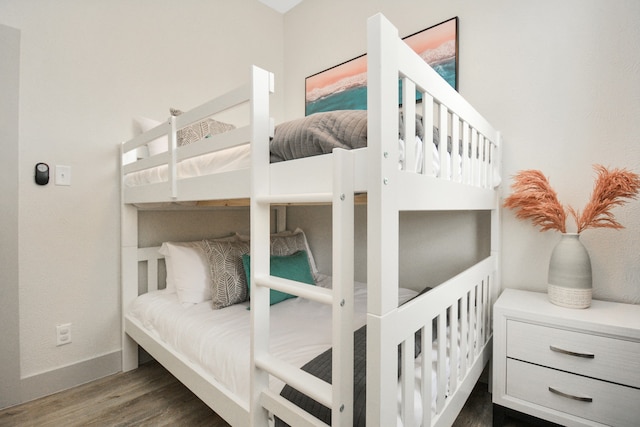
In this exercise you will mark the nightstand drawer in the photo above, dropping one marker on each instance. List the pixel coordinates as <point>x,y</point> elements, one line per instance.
<point>609,359</point>
<point>583,397</point>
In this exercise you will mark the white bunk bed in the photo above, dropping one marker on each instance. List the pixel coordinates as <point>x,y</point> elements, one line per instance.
<point>454,319</point>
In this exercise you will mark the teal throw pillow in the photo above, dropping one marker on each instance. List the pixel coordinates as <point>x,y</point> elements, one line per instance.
<point>292,267</point>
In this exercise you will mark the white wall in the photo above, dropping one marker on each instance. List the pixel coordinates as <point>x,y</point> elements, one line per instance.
<point>88,67</point>
<point>561,80</point>
<point>9,314</point>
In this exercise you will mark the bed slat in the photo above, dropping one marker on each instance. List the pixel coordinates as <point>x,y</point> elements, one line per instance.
<point>425,372</point>
<point>455,148</point>
<point>299,198</point>
<point>427,123</point>
<point>149,162</point>
<point>140,140</point>
<point>464,333</point>
<point>443,126</point>
<point>314,293</point>
<point>151,256</point>
<point>221,103</point>
<point>454,348</point>
<point>297,378</point>
<point>441,363</point>
<point>287,411</point>
<point>409,111</point>
<point>408,382</point>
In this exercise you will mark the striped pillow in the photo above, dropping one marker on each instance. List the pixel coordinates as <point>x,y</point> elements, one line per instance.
<point>228,280</point>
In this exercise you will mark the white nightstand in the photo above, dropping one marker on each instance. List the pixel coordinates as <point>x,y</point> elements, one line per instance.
<point>568,366</point>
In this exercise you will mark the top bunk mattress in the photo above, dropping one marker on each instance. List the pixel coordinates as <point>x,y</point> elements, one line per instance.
<point>235,158</point>
<point>310,136</point>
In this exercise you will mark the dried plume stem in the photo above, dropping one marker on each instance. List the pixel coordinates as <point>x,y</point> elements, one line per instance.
<point>535,200</point>
<point>612,188</point>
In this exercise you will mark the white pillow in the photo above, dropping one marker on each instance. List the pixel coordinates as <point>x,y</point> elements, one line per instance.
<point>187,271</point>
<point>312,261</point>
<point>158,145</point>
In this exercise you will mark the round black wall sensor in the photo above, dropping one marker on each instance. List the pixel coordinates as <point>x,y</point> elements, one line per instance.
<point>42,174</point>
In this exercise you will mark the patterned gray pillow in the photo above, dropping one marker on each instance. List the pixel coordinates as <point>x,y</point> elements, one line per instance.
<point>199,130</point>
<point>288,243</point>
<point>228,280</point>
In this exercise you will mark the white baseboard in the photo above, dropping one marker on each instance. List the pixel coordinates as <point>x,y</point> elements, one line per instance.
<point>50,382</point>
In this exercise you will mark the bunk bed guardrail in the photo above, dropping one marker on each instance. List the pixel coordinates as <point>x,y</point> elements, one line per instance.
<point>468,183</point>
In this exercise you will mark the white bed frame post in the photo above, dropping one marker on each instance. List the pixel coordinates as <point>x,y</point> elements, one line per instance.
<point>128,272</point>
<point>260,239</point>
<point>343,288</point>
<point>382,219</point>
<point>496,225</point>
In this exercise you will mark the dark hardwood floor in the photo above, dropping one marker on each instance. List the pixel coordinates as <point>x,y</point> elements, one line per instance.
<point>150,396</point>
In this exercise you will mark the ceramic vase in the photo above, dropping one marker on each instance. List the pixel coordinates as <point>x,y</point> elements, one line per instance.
<point>569,283</point>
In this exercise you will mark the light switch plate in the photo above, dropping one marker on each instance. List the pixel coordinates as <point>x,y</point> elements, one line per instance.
<point>63,175</point>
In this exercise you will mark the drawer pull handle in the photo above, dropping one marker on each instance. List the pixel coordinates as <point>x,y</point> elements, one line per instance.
<point>572,353</point>
<point>570,396</point>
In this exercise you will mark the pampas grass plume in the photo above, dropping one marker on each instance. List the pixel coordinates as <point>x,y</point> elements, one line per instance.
<point>534,199</point>
<point>612,188</point>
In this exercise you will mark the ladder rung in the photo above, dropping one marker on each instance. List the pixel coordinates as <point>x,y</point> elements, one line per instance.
<point>287,411</point>
<point>302,381</point>
<point>295,198</point>
<point>314,293</point>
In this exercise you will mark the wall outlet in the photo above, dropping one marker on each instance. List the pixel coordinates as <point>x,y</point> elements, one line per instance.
<point>63,334</point>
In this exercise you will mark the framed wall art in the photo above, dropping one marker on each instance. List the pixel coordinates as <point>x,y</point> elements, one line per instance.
<point>344,86</point>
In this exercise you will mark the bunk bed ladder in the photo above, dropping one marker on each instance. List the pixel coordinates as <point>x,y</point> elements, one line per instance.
<point>266,403</point>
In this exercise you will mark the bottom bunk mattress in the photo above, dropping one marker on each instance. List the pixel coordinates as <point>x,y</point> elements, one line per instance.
<point>218,341</point>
